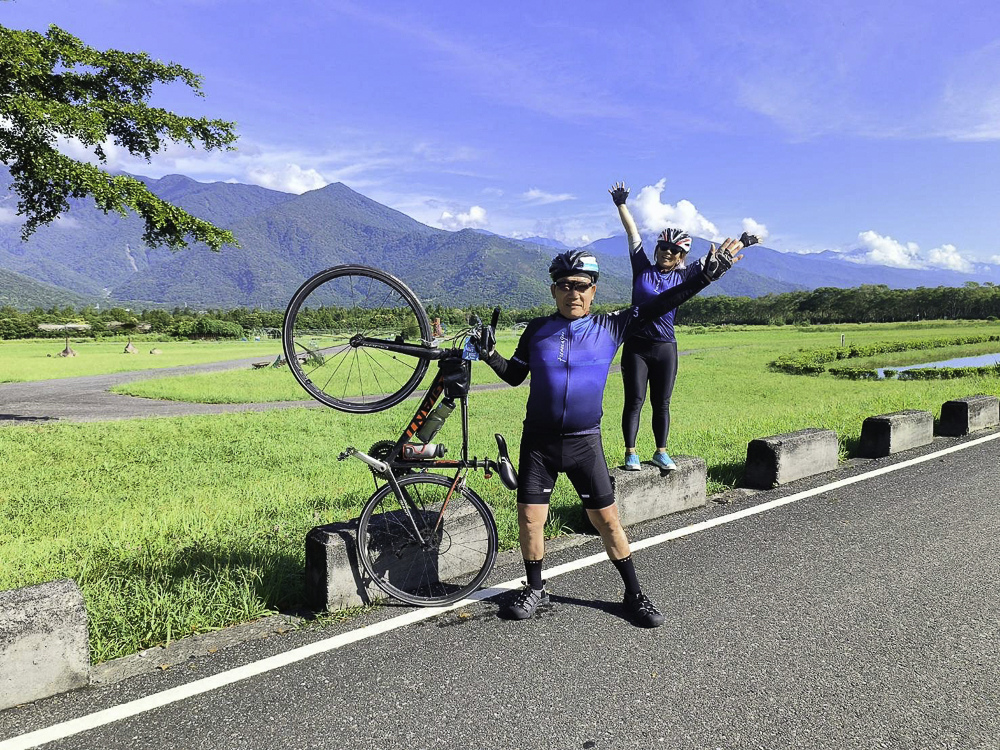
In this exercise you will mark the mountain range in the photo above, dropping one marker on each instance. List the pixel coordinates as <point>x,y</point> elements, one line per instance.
<point>87,256</point>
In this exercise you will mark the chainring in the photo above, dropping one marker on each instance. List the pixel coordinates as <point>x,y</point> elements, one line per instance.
<point>381,450</point>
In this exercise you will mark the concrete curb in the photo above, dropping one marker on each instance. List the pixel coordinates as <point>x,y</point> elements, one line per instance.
<point>43,642</point>
<point>886,434</point>
<point>651,493</point>
<point>780,459</point>
<point>970,414</point>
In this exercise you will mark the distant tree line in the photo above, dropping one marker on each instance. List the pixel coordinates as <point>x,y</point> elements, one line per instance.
<point>864,304</point>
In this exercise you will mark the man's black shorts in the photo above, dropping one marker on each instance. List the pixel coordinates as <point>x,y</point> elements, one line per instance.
<point>580,457</point>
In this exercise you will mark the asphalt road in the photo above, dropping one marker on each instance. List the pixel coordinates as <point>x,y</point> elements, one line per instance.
<point>863,616</point>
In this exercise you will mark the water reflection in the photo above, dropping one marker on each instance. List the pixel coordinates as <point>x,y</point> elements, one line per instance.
<point>982,360</point>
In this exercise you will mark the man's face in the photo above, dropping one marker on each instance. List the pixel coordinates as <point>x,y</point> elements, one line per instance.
<point>574,295</point>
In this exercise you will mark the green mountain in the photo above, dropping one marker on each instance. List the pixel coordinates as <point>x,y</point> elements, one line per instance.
<point>24,293</point>
<point>284,239</point>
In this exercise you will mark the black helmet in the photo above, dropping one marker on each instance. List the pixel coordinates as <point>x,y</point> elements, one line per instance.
<point>574,262</point>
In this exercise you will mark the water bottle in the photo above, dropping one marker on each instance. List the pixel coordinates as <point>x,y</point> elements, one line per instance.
<point>412,451</point>
<point>434,421</point>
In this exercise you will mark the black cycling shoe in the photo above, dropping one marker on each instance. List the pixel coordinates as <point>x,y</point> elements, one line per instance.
<point>526,603</point>
<point>642,612</point>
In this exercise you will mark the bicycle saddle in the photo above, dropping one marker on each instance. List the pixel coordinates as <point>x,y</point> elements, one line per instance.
<point>504,466</point>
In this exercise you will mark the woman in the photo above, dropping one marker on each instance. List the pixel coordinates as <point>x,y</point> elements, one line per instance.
<point>649,358</point>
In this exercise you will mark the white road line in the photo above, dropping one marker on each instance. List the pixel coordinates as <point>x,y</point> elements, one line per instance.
<point>207,684</point>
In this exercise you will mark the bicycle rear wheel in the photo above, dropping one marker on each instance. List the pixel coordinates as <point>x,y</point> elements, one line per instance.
<point>459,545</point>
<point>344,303</point>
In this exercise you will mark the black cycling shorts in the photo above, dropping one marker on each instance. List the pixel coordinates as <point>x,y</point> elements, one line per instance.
<point>580,457</point>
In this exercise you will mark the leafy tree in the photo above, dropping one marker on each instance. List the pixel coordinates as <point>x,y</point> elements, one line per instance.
<point>53,85</point>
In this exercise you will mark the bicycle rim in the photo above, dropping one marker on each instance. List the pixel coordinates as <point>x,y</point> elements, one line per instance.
<point>340,303</point>
<point>458,551</point>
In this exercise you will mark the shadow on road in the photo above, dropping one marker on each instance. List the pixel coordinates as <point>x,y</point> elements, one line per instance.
<point>25,418</point>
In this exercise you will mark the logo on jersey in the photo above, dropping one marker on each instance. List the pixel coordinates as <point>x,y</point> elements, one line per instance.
<point>562,346</point>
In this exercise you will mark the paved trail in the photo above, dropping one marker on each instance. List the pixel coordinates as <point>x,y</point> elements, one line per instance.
<point>86,399</point>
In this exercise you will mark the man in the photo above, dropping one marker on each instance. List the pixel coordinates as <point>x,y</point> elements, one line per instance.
<point>568,355</point>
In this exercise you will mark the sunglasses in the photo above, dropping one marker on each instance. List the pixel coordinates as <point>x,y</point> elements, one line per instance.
<point>669,250</point>
<point>574,286</point>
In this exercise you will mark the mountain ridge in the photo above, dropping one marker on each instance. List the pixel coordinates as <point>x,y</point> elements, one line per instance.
<point>285,238</point>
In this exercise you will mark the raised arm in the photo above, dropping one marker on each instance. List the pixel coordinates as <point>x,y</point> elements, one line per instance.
<point>619,194</point>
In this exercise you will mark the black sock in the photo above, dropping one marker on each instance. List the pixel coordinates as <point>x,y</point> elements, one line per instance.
<point>533,569</point>
<point>627,569</point>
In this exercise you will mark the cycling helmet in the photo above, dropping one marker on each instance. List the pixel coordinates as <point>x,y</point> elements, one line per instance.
<point>675,239</point>
<point>573,262</point>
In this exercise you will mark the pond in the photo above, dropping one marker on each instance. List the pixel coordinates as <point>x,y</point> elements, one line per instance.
<point>982,360</point>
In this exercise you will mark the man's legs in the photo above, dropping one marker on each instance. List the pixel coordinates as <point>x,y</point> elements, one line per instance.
<point>588,471</point>
<point>531,519</point>
<point>536,478</point>
<point>608,525</point>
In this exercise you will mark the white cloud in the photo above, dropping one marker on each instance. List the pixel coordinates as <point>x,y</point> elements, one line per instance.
<point>947,256</point>
<point>755,228</point>
<point>652,215</point>
<point>995,259</point>
<point>885,251</point>
<point>541,198</point>
<point>474,218</point>
<point>291,178</point>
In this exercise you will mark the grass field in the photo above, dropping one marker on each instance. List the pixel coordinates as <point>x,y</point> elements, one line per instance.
<point>37,360</point>
<point>181,525</point>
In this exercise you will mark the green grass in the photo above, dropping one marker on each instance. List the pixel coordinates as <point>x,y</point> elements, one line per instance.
<point>37,359</point>
<point>181,525</point>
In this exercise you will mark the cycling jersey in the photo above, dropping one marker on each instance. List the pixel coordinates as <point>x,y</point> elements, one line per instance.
<point>647,282</point>
<point>569,361</point>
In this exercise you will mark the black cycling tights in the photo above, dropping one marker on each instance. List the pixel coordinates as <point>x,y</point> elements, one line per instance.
<point>655,363</point>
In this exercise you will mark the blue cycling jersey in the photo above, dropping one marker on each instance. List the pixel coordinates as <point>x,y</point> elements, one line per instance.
<point>568,361</point>
<point>647,282</point>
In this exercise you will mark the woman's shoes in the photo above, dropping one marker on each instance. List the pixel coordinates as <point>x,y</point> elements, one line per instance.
<point>663,461</point>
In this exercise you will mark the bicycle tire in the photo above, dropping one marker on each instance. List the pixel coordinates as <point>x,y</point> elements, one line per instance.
<point>464,544</point>
<point>327,311</point>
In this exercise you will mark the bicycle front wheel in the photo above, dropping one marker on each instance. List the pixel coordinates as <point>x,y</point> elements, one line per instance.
<point>454,552</point>
<point>325,320</point>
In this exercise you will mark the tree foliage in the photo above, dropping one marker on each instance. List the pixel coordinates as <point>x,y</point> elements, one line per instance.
<point>54,86</point>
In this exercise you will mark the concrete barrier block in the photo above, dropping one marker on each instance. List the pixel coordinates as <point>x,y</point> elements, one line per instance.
<point>652,493</point>
<point>784,458</point>
<point>886,434</point>
<point>969,414</point>
<point>43,642</point>
<point>335,578</point>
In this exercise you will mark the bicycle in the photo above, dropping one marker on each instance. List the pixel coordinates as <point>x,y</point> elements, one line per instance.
<point>426,539</point>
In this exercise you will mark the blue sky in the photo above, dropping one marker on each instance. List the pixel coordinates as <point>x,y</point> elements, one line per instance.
<point>825,126</point>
